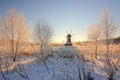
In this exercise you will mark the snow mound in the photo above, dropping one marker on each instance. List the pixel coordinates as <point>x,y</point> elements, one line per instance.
<point>69,52</point>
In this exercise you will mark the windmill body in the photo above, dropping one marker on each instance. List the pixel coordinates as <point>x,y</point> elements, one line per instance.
<point>68,42</point>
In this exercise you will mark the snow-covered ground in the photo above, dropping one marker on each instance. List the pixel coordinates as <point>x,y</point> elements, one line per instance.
<point>67,63</point>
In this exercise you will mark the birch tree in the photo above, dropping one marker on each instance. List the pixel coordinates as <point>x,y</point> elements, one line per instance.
<point>15,30</point>
<point>109,28</point>
<point>43,33</point>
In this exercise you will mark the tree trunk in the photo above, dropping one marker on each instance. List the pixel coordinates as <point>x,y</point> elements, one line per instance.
<point>41,50</point>
<point>17,47</point>
<point>13,54</point>
<point>96,49</point>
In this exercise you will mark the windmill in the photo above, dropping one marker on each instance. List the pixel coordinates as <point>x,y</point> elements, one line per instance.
<point>69,36</point>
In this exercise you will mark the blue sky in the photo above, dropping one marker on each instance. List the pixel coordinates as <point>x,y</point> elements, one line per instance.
<point>64,15</point>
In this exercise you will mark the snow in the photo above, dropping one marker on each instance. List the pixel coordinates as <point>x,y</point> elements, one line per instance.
<point>117,76</point>
<point>95,76</point>
<point>94,71</point>
<point>67,63</point>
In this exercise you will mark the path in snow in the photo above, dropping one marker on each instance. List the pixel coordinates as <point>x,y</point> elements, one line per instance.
<point>65,64</point>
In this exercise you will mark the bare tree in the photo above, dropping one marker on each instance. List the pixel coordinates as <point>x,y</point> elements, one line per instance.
<point>15,30</point>
<point>43,33</point>
<point>94,34</point>
<point>109,28</point>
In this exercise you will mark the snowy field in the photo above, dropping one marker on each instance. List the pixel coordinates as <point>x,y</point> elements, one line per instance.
<point>66,63</point>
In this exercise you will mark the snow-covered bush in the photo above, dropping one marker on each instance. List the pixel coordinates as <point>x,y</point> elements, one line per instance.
<point>5,65</point>
<point>47,51</point>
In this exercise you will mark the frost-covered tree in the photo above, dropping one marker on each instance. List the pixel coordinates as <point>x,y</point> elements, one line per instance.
<point>43,33</point>
<point>15,30</point>
<point>109,27</point>
<point>94,34</point>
